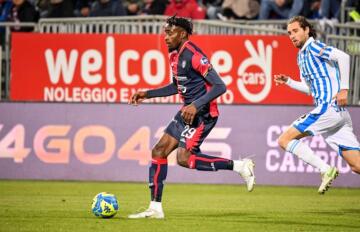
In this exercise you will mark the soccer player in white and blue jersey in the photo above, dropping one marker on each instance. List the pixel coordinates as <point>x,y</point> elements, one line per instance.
<point>324,73</point>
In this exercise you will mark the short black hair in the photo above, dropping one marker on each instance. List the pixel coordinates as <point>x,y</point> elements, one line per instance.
<point>182,22</point>
<point>303,24</point>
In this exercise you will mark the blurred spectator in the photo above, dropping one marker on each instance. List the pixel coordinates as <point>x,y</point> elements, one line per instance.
<point>239,9</point>
<point>44,7</point>
<point>330,9</point>
<point>154,7</point>
<point>311,9</point>
<point>55,8</point>
<point>213,8</point>
<point>61,9</point>
<point>133,7</point>
<point>82,8</point>
<point>5,9</point>
<point>329,13</point>
<point>281,9</point>
<point>107,8</point>
<point>185,8</point>
<point>23,11</point>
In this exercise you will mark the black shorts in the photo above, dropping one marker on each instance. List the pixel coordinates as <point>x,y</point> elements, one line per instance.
<point>191,137</point>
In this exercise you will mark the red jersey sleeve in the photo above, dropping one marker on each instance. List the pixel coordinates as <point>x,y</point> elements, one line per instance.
<point>201,64</point>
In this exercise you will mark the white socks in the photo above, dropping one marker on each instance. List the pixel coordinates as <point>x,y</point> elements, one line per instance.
<point>239,167</point>
<point>305,153</point>
<point>156,206</point>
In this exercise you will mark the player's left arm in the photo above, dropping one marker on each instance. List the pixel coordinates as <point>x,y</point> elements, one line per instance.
<point>343,60</point>
<point>218,87</point>
<point>201,65</point>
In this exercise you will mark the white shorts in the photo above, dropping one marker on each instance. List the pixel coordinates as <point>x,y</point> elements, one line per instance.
<point>333,123</point>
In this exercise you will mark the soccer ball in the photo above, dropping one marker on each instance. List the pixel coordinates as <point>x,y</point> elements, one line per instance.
<point>104,205</point>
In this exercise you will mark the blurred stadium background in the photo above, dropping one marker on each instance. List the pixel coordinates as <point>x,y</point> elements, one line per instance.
<point>64,122</point>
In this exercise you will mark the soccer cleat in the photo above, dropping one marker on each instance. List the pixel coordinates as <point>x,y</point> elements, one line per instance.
<point>245,168</point>
<point>149,213</point>
<point>327,178</point>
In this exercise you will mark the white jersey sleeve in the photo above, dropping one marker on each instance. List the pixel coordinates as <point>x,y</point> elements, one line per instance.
<point>343,61</point>
<point>298,85</point>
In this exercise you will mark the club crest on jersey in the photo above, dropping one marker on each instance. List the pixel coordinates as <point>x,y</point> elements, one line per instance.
<point>183,64</point>
<point>204,60</point>
<point>182,88</point>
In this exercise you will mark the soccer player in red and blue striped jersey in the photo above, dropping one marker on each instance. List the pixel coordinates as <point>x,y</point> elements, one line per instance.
<point>199,85</point>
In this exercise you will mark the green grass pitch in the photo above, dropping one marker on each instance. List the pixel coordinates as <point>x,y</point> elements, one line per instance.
<point>65,206</point>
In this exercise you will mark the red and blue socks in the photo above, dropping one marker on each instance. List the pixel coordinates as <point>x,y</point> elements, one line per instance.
<point>157,175</point>
<point>203,162</point>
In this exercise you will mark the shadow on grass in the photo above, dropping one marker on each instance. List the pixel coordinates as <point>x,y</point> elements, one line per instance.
<point>241,217</point>
<point>339,211</point>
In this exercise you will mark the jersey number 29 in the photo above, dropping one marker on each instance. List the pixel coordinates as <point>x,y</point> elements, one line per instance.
<point>188,132</point>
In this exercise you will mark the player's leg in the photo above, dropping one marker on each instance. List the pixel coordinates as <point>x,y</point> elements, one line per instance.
<point>202,162</point>
<point>344,141</point>
<point>351,147</point>
<point>316,122</point>
<point>159,166</point>
<point>157,176</point>
<point>189,155</point>
<point>290,141</point>
<point>352,157</point>
<point>158,169</point>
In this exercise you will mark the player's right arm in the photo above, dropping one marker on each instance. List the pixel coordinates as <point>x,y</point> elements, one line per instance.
<point>140,96</point>
<point>297,85</point>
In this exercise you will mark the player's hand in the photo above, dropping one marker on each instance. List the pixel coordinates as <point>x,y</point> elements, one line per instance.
<point>280,79</point>
<point>137,97</point>
<point>341,97</point>
<point>188,113</point>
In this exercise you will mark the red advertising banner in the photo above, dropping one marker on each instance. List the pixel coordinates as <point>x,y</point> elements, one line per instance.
<point>109,68</point>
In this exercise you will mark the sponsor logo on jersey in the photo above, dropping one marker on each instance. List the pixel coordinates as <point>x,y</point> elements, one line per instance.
<point>181,78</point>
<point>182,88</point>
